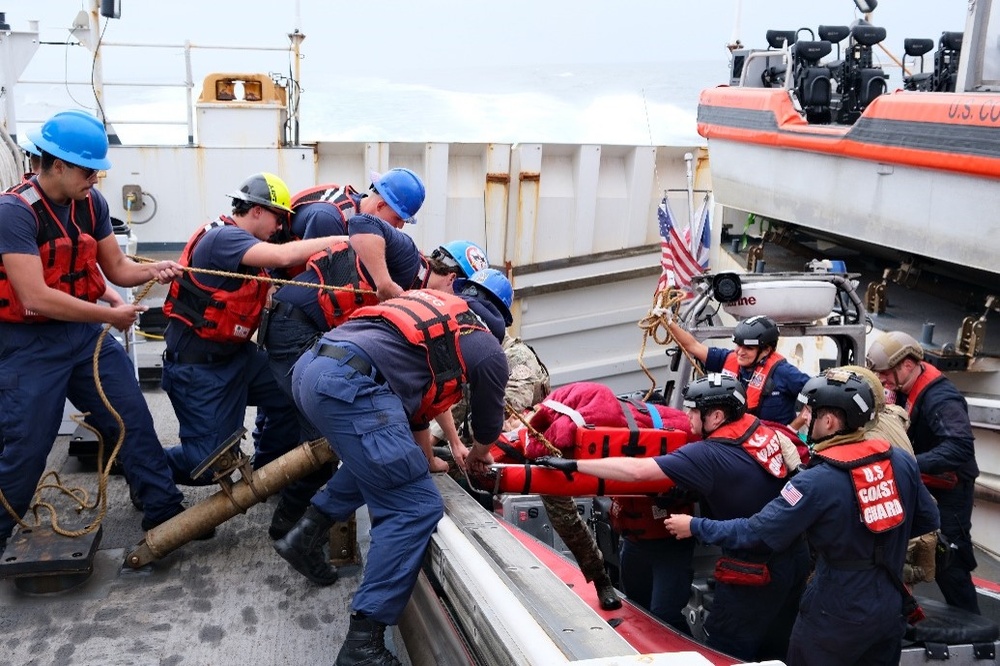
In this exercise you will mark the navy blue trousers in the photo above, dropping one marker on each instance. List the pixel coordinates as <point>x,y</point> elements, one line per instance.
<point>210,401</point>
<point>381,466</point>
<point>43,364</point>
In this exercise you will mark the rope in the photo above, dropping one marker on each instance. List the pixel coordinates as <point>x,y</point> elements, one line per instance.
<point>104,471</point>
<point>258,278</point>
<point>79,494</point>
<point>666,303</point>
<point>552,448</point>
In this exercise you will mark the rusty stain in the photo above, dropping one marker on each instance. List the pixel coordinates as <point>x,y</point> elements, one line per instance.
<point>503,178</point>
<point>533,176</point>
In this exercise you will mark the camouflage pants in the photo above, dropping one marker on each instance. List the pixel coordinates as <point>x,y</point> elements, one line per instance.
<point>569,525</point>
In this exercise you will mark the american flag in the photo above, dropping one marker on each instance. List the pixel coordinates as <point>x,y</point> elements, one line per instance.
<point>791,494</point>
<point>679,266</point>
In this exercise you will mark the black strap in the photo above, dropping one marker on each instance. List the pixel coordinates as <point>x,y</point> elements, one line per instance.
<point>355,361</point>
<point>289,311</point>
<point>196,358</point>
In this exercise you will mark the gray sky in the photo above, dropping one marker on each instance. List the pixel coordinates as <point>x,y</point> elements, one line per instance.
<point>405,34</point>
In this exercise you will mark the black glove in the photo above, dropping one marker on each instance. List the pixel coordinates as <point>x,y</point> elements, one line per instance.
<point>564,465</point>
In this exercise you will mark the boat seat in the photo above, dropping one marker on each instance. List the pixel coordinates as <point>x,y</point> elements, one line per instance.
<point>833,33</point>
<point>872,84</point>
<point>950,626</point>
<point>810,53</point>
<point>776,38</point>
<point>946,61</point>
<point>918,48</point>
<point>867,34</point>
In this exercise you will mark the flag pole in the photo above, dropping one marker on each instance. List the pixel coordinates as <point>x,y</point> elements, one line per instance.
<point>689,159</point>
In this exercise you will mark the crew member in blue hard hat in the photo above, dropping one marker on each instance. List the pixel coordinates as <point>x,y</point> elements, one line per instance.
<point>298,315</point>
<point>772,383</point>
<point>212,370</point>
<point>325,210</point>
<point>55,231</point>
<point>366,385</point>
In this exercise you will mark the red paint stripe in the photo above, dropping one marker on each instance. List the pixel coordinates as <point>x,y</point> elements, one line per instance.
<point>642,631</point>
<point>986,584</point>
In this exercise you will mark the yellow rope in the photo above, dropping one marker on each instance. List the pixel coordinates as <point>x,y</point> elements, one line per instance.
<point>258,278</point>
<point>666,303</point>
<point>552,448</point>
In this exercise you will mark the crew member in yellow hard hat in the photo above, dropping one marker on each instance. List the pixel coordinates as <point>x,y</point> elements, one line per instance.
<point>212,370</point>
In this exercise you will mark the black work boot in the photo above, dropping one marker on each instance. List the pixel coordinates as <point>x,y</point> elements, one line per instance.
<point>607,595</point>
<point>284,518</point>
<point>302,547</point>
<point>365,645</point>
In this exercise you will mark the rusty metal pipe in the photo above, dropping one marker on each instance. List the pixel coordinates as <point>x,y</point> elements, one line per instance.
<point>226,503</point>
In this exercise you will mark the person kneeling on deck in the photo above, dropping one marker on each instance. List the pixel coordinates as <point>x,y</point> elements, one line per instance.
<point>858,502</point>
<point>945,448</point>
<point>55,233</point>
<point>211,368</point>
<point>388,370</point>
<point>737,469</point>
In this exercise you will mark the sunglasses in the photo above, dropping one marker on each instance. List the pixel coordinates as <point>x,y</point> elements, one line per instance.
<point>440,255</point>
<point>86,171</point>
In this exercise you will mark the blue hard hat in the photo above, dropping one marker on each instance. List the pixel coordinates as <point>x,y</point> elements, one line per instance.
<point>468,256</point>
<point>496,287</point>
<point>402,190</point>
<point>74,137</point>
<point>29,148</point>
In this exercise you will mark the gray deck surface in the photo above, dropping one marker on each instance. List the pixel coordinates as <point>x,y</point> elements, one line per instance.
<point>229,600</point>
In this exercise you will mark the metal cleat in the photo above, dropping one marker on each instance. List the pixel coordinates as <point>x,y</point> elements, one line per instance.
<point>43,562</point>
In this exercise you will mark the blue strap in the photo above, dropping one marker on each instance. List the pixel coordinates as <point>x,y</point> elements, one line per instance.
<point>654,415</point>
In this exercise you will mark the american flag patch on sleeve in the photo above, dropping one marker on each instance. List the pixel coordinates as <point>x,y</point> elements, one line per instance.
<point>791,494</point>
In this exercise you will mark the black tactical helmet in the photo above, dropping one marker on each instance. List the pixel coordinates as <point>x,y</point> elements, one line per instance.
<point>757,331</point>
<point>842,390</point>
<point>716,390</point>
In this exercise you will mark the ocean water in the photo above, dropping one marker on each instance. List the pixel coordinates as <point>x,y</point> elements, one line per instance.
<point>630,104</point>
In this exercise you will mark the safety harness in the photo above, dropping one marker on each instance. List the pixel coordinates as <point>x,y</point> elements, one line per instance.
<point>432,320</point>
<point>68,265</point>
<point>215,313</point>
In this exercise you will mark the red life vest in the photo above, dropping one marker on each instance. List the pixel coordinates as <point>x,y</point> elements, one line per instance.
<point>341,198</point>
<point>69,264</point>
<point>215,313</point>
<point>760,442</point>
<point>434,321</point>
<point>928,376</point>
<point>874,481</point>
<point>340,266</point>
<point>760,381</point>
<point>639,518</point>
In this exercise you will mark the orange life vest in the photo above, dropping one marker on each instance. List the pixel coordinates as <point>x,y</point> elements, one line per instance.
<point>760,381</point>
<point>68,265</point>
<point>874,481</point>
<point>432,320</point>
<point>760,442</point>
<point>214,313</point>
<point>341,198</point>
<point>340,266</point>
